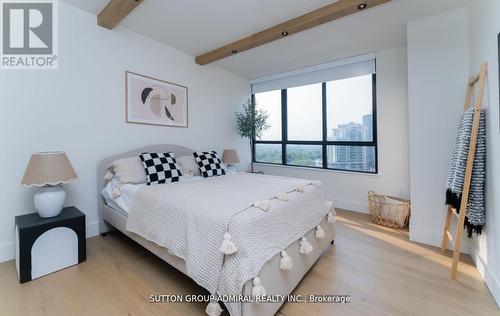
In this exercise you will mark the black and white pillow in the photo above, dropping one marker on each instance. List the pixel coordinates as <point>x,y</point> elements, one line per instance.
<point>210,164</point>
<point>160,168</point>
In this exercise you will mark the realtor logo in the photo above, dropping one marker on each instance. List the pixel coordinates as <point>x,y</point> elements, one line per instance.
<point>29,34</point>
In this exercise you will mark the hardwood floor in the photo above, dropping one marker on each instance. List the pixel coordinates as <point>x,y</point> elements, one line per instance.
<point>379,268</point>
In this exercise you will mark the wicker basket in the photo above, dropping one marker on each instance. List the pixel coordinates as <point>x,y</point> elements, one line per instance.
<point>389,211</point>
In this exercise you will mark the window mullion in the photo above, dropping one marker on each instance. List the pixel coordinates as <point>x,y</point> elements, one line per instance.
<point>324,120</point>
<point>254,139</point>
<point>284,125</point>
<point>374,119</point>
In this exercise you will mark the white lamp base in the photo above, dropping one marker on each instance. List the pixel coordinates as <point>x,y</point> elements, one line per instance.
<point>49,201</point>
<point>231,169</point>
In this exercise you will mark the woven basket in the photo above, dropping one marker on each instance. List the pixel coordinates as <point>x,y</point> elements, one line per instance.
<point>388,210</point>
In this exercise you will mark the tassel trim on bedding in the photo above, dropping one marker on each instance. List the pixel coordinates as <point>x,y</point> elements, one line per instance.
<point>283,196</point>
<point>300,188</point>
<point>455,201</point>
<point>286,262</point>
<point>213,309</point>
<point>320,232</point>
<point>305,247</point>
<point>228,247</point>
<point>263,205</point>
<point>258,289</point>
<point>330,218</point>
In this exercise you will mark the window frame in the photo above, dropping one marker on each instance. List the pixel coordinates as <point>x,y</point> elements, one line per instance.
<point>324,142</point>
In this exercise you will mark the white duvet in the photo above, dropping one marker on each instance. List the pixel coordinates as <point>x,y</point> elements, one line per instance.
<point>190,219</point>
<point>123,201</point>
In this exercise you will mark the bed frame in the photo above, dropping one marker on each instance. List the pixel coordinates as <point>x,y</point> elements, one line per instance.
<point>274,280</point>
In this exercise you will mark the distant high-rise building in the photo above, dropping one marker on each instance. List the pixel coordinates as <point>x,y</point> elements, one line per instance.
<point>370,151</point>
<point>368,122</point>
<point>353,157</point>
<point>348,157</point>
<point>349,132</point>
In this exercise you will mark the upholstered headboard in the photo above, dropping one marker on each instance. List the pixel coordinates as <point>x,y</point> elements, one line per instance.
<point>104,164</point>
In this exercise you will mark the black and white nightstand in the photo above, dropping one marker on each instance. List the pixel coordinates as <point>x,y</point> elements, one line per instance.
<point>46,245</point>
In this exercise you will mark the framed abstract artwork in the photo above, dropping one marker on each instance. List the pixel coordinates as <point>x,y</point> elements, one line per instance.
<point>155,102</point>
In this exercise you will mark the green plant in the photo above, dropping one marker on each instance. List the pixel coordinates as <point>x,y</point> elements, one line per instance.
<point>252,122</point>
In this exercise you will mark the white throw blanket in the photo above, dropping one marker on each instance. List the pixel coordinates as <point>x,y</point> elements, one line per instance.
<point>190,219</point>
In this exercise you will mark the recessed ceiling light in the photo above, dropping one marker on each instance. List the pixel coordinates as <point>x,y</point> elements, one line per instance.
<point>234,51</point>
<point>362,6</point>
<point>284,33</point>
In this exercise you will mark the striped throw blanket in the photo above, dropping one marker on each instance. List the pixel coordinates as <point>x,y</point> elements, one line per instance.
<point>475,217</point>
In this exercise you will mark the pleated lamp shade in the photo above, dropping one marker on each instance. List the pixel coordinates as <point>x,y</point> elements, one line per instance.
<point>230,156</point>
<point>48,168</point>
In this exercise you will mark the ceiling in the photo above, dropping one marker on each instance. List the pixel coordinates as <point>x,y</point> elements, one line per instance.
<point>198,26</point>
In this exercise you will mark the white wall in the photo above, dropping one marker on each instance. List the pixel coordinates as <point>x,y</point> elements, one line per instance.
<point>80,108</point>
<point>349,190</point>
<point>438,69</point>
<point>484,29</point>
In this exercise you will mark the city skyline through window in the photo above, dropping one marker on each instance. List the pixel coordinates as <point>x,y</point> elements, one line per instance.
<point>330,125</point>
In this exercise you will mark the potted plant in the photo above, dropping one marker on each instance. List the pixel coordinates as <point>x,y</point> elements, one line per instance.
<point>252,122</point>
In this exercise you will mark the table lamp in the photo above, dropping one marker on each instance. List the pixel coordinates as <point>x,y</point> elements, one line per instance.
<point>230,157</point>
<point>48,170</point>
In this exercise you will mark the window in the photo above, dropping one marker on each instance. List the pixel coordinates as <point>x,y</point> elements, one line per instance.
<point>271,103</point>
<point>329,125</point>
<point>304,155</point>
<point>304,102</point>
<point>354,158</point>
<point>270,153</point>
<point>349,109</point>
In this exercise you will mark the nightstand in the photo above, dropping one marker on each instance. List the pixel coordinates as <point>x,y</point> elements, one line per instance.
<point>46,245</point>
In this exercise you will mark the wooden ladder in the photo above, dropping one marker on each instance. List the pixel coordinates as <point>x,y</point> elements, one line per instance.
<point>447,236</point>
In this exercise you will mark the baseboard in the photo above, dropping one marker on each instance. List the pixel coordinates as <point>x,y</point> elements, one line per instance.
<point>360,207</point>
<point>427,237</point>
<point>434,238</point>
<point>92,229</point>
<point>7,250</point>
<point>489,277</point>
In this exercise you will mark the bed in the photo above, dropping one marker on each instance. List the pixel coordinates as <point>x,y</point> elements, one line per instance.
<point>275,280</point>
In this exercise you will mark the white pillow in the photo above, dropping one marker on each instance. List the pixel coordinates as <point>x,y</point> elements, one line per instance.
<point>129,170</point>
<point>188,165</point>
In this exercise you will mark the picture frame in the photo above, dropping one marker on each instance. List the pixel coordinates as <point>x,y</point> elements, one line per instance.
<point>151,101</point>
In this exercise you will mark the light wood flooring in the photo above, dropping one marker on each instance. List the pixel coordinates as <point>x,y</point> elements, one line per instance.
<point>379,268</point>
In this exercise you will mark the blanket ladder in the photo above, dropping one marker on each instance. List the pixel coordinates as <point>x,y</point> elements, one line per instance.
<point>447,236</point>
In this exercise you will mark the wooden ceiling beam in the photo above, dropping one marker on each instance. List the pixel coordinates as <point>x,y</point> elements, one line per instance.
<point>115,11</point>
<point>325,14</point>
